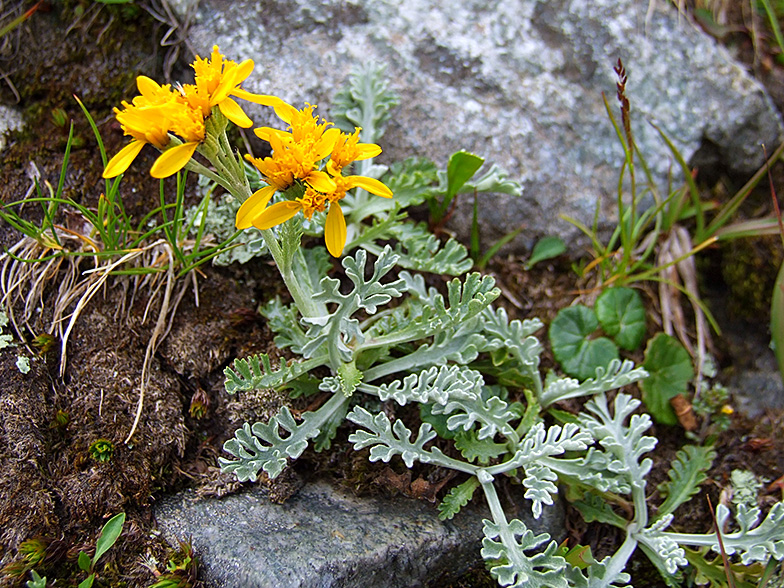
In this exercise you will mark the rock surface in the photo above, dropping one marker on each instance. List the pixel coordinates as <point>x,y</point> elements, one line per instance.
<point>10,120</point>
<point>519,83</point>
<point>324,538</point>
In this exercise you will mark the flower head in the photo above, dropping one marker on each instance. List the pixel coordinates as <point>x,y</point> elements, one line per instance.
<point>216,79</point>
<point>348,149</point>
<point>161,111</point>
<point>152,115</point>
<point>296,160</point>
<point>314,201</point>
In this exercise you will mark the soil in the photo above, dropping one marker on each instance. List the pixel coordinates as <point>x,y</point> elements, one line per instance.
<point>59,488</point>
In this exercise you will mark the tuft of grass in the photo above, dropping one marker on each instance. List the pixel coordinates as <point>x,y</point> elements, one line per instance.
<point>96,247</point>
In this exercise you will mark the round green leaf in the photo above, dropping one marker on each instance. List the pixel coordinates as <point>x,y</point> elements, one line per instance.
<point>622,315</point>
<point>671,370</point>
<point>578,355</point>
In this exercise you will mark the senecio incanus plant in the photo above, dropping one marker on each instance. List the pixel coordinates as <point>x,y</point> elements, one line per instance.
<point>439,352</point>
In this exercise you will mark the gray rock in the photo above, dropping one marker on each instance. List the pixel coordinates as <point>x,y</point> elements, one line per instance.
<point>324,538</point>
<point>517,82</point>
<point>10,120</point>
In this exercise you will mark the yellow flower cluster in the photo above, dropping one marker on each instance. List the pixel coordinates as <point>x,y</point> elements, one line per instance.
<point>173,120</point>
<point>296,158</point>
<point>162,111</point>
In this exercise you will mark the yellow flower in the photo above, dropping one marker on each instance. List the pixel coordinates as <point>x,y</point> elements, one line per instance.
<point>156,111</point>
<point>160,110</point>
<point>347,149</point>
<point>295,157</point>
<point>217,79</point>
<point>312,201</point>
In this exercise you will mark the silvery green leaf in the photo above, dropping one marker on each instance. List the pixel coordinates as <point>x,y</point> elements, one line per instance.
<point>419,249</point>
<point>436,384</point>
<point>594,469</point>
<point>256,372</point>
<point>416,287</point>
<point>513,339</point>
<point>541,442</point>
<point>616,375</point>
<point>283,320</point>
<point>262,446</point>
<point>366,102</point>
<point>539,485</point>
<point>509,563</point>
<point>753,543</point>
<point>495,180</point>
<point>455,336</point>
<point>491,412</point>
<point>671,555</point>
<point>372,293</point>
<point>218,219</point>
<point>597,576</point>
<point>387,440</point>
<point>411,180</point>
<point>496,321</point>
<point>472,448</point>
<point>625,443</point>
<point>339,328</point>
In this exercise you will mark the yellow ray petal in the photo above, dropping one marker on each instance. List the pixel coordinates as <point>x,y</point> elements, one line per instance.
<point>321,182</point>
<point>276,214</point>
<point>234,113</point>
<point>173,160</point>
<point>367,150</point>
<point>253,207</point>
<point>335,230</point>
<point>370,184</point>
<point>244,69</point>
<point>125,156</point>
<point>224,88</point>
<point>264,133</point>
<point>284,110</point>
<point>146,86</point>
<point>326,143</point>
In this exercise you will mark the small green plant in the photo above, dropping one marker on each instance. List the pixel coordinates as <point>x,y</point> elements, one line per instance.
<point>670,372</point>
<point>109,534</point>
<point>42,553</point>
<point>382,335</point>
<point>181,569</point>
<point>620,313</point>
<point>546,248</point>
<point>653,244</point>
<point>101,450</point>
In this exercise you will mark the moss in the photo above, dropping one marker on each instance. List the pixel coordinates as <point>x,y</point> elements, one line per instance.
<point>749,268</point>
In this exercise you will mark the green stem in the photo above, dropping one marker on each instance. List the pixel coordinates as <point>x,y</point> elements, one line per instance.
<point>302,299</point>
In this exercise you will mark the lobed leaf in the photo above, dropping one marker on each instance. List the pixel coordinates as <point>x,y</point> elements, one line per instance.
<point>387,440</point>
<point>509,563</point>
<point>457,498</point>
<point>256,373</point>
<point>366,102</point>
<point>688,471</point>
